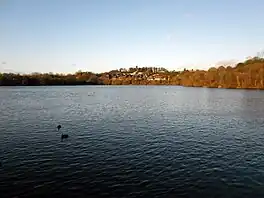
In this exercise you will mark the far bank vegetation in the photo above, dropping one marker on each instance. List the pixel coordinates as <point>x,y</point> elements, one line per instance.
<point>248,74</point>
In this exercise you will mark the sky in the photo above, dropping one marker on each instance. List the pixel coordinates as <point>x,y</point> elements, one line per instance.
<point>63,36</point>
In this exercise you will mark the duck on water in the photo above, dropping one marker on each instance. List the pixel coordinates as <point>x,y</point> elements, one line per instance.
<point>62,135</point>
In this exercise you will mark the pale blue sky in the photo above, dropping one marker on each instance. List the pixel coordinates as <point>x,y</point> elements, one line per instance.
<point>100,35</point>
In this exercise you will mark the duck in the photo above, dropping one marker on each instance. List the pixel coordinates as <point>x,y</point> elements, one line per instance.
<point>64,136</point>
<point>59,127</point>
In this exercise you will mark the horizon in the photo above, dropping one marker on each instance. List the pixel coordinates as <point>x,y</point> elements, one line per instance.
<point>100,36</point>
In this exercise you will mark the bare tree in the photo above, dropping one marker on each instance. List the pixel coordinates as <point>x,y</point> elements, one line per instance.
<point>226,63</point>
<point>260,54</point>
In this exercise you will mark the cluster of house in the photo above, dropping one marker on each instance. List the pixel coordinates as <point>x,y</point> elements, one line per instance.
<point>137,75</point>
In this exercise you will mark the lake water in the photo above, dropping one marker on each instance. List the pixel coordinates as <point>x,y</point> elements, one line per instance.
<point>131,141</point>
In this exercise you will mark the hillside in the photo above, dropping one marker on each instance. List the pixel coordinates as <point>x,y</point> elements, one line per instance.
<point>249,74</point>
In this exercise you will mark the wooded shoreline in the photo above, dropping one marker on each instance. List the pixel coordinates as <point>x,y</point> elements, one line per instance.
<point>245,75</point>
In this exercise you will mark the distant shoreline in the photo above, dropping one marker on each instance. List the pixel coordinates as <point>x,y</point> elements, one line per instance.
<point>141,85</point>
<point>246,75</point>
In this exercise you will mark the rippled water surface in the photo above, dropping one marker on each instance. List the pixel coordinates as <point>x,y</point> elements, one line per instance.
<point>131,141</point>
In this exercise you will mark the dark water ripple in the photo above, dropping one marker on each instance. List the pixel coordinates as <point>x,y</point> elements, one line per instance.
<point>131,142</point>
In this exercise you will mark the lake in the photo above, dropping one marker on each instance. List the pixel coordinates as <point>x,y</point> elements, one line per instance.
<point>131,141</point>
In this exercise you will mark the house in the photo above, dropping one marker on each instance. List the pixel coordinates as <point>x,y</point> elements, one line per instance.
<point>156,77</point>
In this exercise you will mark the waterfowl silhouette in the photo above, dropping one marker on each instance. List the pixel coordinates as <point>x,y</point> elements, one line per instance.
<point>64,136</point>
<point>59,127</point>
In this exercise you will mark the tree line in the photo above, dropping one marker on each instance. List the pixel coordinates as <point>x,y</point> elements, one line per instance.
<point>248,74</point>
<point>37,79</point>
